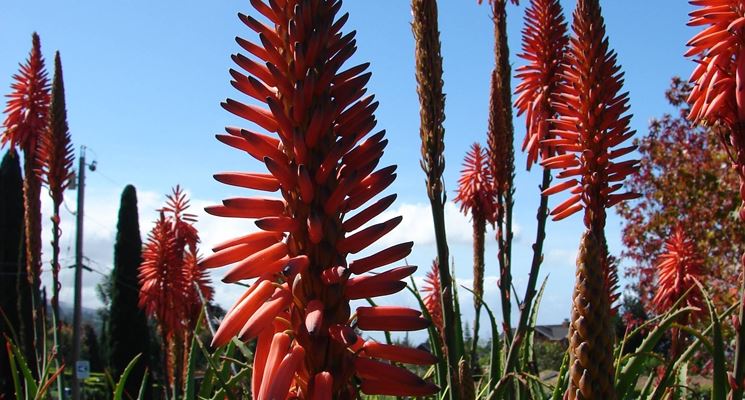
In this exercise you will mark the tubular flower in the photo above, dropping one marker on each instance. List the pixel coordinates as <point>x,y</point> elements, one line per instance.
<point>677,270</point>
<point>433,296</point>
<point>56,155</point>
<point>544,43</point>
<point>321,156</point>
<point>590,125</point>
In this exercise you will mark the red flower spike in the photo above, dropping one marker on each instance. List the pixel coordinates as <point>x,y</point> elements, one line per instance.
<point>321,153</point>
<point>677,270</point>
<point>170,275</point>
<point>476,191</point>
<point>28,104</point>
<point>433,296</point>
<point>590,108</point>
<point>544,43</point>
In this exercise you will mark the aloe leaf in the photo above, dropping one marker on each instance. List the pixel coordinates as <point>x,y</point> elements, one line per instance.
<point>119,391</point>
<point>631,370</point>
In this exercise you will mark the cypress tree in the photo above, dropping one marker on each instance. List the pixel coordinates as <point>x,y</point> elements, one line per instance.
<point>14,291</point>
<point>128,333</point>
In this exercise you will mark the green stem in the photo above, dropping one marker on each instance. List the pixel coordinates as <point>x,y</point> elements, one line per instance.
<point>535,266</point>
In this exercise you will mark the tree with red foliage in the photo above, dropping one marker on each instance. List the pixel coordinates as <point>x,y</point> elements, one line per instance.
<point>685,178</point>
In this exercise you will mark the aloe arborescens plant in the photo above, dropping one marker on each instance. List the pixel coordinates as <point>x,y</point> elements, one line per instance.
<point>718,99</point>
<point>299,307</point>
<point>24,125</point>
<point>592,124</point>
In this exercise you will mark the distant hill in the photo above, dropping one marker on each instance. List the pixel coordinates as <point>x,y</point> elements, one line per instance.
<point>90,316</point>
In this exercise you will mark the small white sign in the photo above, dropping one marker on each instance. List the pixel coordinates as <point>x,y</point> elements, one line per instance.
<point>83,369</point>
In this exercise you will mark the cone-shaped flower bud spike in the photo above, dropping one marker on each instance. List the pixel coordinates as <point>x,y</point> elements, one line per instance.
<point>544,43</point>
<point>55,147</point>
<point>677,270</point>
<point>315,135</point>
<point>590,337</point>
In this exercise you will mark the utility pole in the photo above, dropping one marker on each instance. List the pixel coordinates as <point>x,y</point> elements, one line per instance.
<point>77,317</point>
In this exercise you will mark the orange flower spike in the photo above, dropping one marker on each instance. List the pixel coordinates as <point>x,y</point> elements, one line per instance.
<point>678,269</point>
<point>544,43</point>
<point>28,104</point>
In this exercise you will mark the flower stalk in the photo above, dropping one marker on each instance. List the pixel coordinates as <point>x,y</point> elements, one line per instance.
<point>718,99</point>
<point>432,132</point>
<point>25,122</point>
<point>544,44</point>
<point>590,126</point>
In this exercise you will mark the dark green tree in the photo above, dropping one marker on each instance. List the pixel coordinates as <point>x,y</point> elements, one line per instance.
<point>15,293</point>
<point>93,349</point>
<point>128,333</point>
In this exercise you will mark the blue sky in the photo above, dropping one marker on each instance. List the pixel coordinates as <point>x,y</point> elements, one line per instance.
<point>144,81</point>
